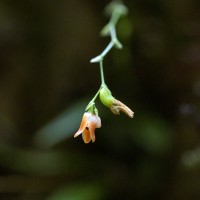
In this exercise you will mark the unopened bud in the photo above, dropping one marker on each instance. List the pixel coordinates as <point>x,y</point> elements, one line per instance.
<point>106,97</point>
<point>115,105</point>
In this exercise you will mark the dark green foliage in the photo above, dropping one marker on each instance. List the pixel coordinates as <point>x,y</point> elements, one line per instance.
<point>46,81</point>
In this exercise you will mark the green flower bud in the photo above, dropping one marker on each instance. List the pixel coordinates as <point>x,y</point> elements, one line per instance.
<point>106,97</point>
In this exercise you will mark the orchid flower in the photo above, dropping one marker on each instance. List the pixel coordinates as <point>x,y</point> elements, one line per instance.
<point>88,125</point>
<point>91,120</point>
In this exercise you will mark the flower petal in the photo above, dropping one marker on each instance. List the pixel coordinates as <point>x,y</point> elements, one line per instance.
<point>86,136</point>
<point>92,127</point>
<point>82,126</point>
<point>96,120</point>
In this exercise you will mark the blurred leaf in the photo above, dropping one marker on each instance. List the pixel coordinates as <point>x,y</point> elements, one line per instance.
<point>49,162</point>
<point>125,29</point>
<point>29,161</point>
<point>62,127</point>
<point>191,158</point>
<point>153,134</point>
<point>77,192</point>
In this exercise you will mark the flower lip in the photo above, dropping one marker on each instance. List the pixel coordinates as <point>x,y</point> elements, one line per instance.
<point>88,125</point>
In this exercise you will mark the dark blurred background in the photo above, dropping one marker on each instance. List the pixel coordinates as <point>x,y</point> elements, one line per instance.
<point>46,81</point>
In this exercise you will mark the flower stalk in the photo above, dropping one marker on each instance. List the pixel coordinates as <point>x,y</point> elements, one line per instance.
<point>91,120</point>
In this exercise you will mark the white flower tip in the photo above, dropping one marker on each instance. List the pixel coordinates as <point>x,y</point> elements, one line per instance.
<point>118,44</point>
<point>96,59</point>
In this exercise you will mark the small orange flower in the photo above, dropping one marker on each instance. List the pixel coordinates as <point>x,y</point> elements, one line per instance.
<point>88,125</point>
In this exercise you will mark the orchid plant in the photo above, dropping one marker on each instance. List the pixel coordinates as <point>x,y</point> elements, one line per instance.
<point>91,119</point>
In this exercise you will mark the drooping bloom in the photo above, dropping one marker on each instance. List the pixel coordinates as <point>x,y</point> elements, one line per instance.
<point>118,106</point>
<point>115,105</point>
<point>88,125</point>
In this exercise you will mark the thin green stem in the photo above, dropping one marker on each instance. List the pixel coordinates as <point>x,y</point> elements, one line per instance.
<point>102,73</point>
<point>117,12</point>
<point>96,95</point>
<point>112,31</point>
<point>91,104</point>
<point>114,18</point>
<point>107,49</point>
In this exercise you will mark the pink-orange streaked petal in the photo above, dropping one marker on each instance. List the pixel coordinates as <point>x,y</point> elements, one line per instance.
<point>92,131</point>
<point>82,126</point>
<point>86,136</point>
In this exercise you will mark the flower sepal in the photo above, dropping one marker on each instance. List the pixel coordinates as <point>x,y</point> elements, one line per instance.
<point>92,108</point>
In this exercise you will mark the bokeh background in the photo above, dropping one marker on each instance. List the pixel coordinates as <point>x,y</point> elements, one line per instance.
<point>46,81</point>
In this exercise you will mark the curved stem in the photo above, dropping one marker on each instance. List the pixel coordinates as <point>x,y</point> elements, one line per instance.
<point>114,18</point>
<point>102,73</point>
<point>96,95</point>
<point>113,33</point>
<point>107,49</point>
<point>110,30</point>
<point>91,103</point>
